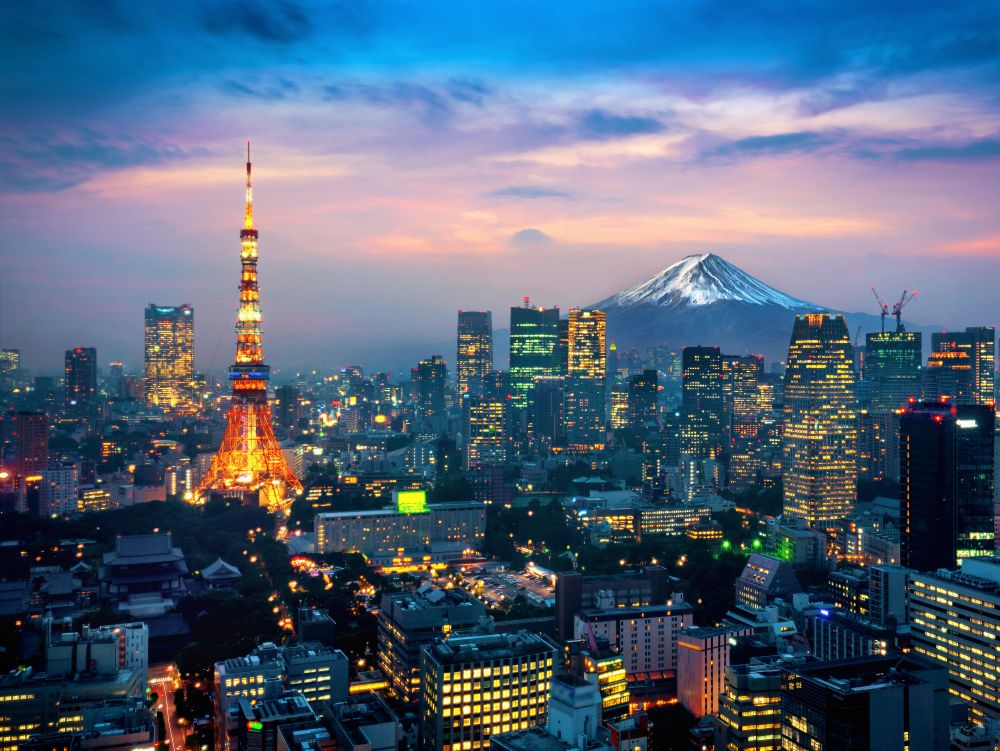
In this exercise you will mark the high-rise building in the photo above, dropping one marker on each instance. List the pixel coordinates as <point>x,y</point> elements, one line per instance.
<point>548,414</point>
<point>480,685</point>
<point>947,484</point>
<point>169,357</point>
<point>702,659</point>
<point>475,350</point>
<point>978,344</point>
<point>286,408</point>
<point>643,396</point>
<point>646,637</point>
<point>701,402</point>
<point>955,620</point>
<point>428,384</point>
<point>534,350</point>
<point>29,434</point>
<point>949,376</point>
<point>895,703</point>
<point>10,361</point>
<point>586,380</point>
<point>250,460</point>
<point>892,367</point>
<point>409,621</point>
<point>819,443</point>
<point>486,438</point>
<point>742,406</point>
<point>81,375</point>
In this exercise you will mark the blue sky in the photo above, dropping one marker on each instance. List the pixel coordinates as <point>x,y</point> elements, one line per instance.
<point>416,158</point>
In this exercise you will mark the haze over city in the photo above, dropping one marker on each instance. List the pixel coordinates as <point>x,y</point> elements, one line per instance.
<point>412,159</point>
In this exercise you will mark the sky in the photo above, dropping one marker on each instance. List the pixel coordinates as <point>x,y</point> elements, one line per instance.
<point>413,158</point>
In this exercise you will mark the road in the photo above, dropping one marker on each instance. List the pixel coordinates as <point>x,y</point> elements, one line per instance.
<point>162,682</point>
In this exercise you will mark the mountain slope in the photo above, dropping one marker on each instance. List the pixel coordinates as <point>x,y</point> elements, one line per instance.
<point>704,299</point>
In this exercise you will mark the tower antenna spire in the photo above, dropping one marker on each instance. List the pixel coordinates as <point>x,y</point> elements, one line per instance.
<point>248,218</point>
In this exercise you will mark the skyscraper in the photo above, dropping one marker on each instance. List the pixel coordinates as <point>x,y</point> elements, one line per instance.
<point>10,361</point>
<point>949,376</point>
<point>743,402</point>
<point>81,375</point>
<point>643,394</point>
<point>978,343</point>
<point>475,350</point>
<point>534,350</point>
<point>169,357</point>
<point>428,384</point>
<point>249,460</point>
<point>486,442</point>
<point>701,401</point>
<point>819,445</point>
<point>29,434</point>
<point>586,380</point>
<point>946,483</point>
<point>892,367</point>
<point>286,408</point>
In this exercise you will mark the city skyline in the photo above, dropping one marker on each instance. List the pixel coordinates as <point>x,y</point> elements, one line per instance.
<point>460,158</point>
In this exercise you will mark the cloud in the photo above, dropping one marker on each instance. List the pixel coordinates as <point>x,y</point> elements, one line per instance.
<point>527,191</point>
<point>600,125</point>
<point>530,238</point>
<point>281,89</point>
<point>278,21</point>
<point>781,143</point>
<point>47,161</point>
<point>980,150</point>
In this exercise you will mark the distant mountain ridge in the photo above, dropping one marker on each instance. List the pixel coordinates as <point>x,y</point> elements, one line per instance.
<point>703,299</point>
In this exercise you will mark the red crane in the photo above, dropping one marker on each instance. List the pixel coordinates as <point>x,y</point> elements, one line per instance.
<point>897,309</point>
<point>882,306</point>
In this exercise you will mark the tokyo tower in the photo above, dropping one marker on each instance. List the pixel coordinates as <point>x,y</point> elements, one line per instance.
<point>249,459</point>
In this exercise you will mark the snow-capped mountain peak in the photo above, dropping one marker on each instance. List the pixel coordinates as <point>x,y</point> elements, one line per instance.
<point>701,280</point>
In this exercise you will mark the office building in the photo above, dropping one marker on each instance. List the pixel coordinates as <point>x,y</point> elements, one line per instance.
<point>10,362</point>
<point>893,703</point>
<point>486,436</point>
<point>287,401</point>
<point>81,375</point>
<point>630,588</point>
<point>548,416</point>
<point>643,407</point>
<point>451,530</point>
<point>887,595</point>
<point>955,620</point>
<point>947,483</point>
<point>474,360</point>
<point>364,725</point>
<point>892,368</point>
<point>741,394</point>
<point>750,704</point>
<point>963,364</point>
<point>427,382</point>
<point>586,380</point>
<point>409,621</point>
<point>702,403</point>
<point>819,441</point>
<point>29,433</point>
<point>702,659</point>
<point>849,588</point>
<point>169,357</point>
<point>646,637</point>
<point>481,685</point>
<point>256,677</point>
<point>534,351</point>
<point>765,579</point>
<point>319,673</point>
<point>260,720</point>
<point>836,635</point>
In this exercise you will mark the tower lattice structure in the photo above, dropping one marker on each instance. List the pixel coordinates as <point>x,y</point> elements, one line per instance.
<point>249,459</point>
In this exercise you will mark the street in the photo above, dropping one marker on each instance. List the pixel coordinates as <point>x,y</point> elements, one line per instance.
<point>161,680</point>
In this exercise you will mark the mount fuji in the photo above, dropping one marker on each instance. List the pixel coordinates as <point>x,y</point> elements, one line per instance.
<point>704,299</point>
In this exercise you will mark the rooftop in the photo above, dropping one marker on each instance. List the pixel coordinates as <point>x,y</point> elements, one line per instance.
<point>482,647</point>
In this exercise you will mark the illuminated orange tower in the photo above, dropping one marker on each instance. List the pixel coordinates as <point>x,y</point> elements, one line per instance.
<point>249,459</point>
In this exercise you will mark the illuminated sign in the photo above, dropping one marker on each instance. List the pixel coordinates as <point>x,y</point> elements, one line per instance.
<point>967,423</point>
<point>411,501</point>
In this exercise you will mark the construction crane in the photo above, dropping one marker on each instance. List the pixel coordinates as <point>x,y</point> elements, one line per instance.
<point>857,335</point>
<point>882,306</point>
<point>897,309</point>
